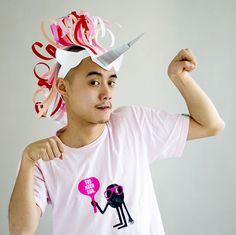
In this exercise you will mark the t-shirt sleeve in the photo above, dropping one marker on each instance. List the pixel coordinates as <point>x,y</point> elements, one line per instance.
<point>169,134</point>
<point>40,190</point>
<point>163,134</point>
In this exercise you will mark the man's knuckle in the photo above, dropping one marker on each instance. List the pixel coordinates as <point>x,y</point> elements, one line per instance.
<point>55,138</point>
<point>47,144</point>
<point>51,141</point>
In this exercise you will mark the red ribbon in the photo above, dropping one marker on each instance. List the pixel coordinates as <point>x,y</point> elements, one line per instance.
<point>51,50</point>
<point>42,81</point>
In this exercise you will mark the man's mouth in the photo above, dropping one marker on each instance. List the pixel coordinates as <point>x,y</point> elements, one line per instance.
<point>105,108</point>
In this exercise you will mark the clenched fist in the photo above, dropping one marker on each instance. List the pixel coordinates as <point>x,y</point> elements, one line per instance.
<point>46,149</point>
<point>183,63</point>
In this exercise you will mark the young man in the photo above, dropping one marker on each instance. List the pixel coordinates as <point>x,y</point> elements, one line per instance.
<point>95,171</point>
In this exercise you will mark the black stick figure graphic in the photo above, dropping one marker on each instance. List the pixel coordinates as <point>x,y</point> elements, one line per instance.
<point>115,198</point>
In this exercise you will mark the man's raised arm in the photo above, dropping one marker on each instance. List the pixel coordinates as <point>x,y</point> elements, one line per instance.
<point>204,118</point>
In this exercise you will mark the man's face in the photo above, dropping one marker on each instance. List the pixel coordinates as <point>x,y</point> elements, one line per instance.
<point>92,86</point>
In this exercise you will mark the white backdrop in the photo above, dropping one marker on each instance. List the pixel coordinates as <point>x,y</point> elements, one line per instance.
<point>197,192</point>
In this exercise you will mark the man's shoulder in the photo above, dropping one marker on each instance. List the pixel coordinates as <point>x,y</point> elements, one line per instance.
<point>123,111</point>
<point>128,108</point>
<point>137,109</point>
<point>130,113</point>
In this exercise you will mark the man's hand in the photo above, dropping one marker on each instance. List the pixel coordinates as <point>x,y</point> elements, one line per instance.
<point>46,149</point>
<point>183,63</point>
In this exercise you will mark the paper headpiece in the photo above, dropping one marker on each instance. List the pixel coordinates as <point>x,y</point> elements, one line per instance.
<point>72,30</point>
<point>112,58</point>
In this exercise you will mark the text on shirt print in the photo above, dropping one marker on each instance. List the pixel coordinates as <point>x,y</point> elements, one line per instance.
<point>114,195</point>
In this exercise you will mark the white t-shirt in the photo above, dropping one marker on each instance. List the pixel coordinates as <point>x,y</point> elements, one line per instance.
<point>117,162</point>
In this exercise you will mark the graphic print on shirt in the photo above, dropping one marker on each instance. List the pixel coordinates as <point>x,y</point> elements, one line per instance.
<point>89,187</point>
<point>114,195</point>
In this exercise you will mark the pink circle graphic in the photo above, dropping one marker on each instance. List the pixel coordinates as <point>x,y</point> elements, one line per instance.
<point>89,187</point>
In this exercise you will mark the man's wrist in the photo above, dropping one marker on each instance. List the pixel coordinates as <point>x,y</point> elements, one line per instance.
<point>181,80</point>
<point>182,76</point>
<point>27,159</point>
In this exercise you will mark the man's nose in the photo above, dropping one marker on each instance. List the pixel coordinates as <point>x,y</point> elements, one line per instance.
<point>105,92</point>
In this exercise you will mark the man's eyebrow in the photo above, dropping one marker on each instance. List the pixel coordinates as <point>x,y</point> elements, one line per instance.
<point>99,74</point>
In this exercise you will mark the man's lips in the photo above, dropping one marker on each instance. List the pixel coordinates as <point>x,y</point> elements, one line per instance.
<point>105,110</point>
<point>104,105</point>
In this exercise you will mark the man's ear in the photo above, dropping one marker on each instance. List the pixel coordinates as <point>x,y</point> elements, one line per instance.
<point>62,87</point>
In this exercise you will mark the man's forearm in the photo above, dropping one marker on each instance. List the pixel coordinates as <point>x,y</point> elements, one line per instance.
<point>23,214</point>
<point>200,107</point>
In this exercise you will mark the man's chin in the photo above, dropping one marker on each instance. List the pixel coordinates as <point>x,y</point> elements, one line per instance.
<point>103,121</point>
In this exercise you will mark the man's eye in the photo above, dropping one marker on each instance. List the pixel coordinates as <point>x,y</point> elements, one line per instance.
<point>93,82</point>
<point>113,83</point>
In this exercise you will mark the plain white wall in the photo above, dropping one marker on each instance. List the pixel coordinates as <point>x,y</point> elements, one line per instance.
<point>197,192</point>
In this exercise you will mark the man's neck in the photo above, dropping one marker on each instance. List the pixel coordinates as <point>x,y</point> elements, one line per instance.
<point>76,136</point>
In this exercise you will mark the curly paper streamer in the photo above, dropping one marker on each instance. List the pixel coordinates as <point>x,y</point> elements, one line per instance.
<point>71,30</point>
<point>51,50</point>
